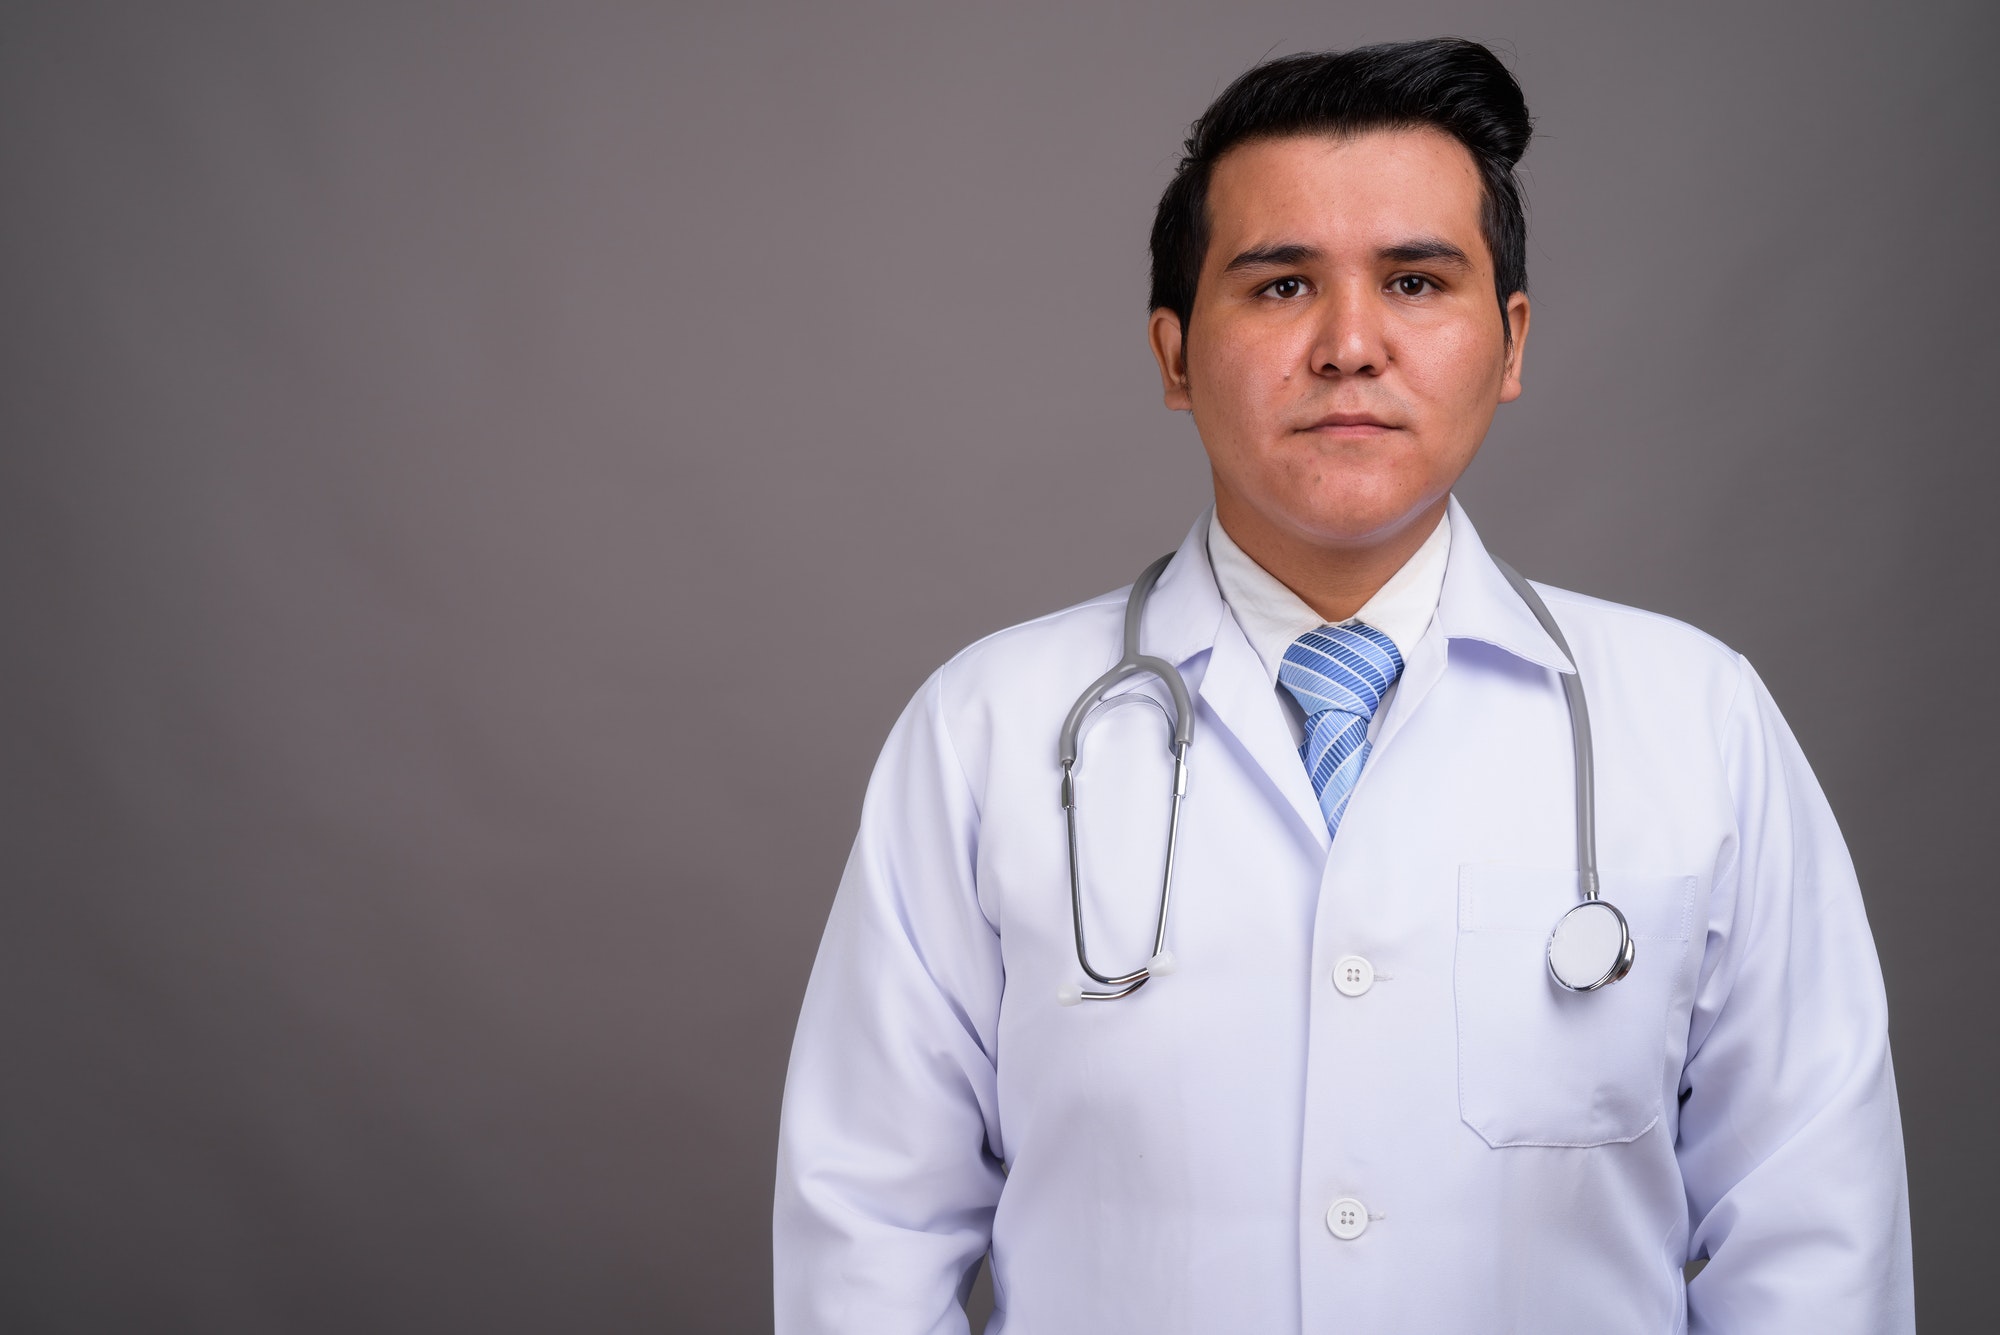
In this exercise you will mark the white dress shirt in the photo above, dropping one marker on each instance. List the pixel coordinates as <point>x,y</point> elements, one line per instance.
<point>1359,1103</point>
<point>1272,616</point>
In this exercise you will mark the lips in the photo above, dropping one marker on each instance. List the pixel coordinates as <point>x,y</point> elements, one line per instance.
<point>1349,422</point>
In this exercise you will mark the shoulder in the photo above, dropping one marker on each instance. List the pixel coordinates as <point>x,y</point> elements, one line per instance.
<point>1634,625</point>
<point>1001,699</point>
<point>1615,642</point>
<point>1078,641</point>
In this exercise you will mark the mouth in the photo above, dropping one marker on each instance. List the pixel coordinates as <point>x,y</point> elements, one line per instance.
<point>1351,426</point>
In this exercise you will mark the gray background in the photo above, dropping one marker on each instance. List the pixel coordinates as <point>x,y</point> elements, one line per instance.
<point>430,439</point>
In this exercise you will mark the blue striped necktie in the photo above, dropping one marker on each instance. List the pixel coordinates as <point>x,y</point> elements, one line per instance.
<point>1338,674</point>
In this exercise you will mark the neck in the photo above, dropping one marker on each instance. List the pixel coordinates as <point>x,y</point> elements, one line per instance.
<point>1333,578</point>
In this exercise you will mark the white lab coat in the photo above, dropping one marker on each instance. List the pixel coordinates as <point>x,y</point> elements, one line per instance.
<point>1527,1159</point>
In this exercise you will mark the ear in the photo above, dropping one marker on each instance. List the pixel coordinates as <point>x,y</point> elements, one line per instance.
<point>1517,322</point>
<point>1170,351</point>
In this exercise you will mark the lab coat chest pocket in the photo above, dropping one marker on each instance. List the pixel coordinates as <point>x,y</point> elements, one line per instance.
<point>1538,1065</point>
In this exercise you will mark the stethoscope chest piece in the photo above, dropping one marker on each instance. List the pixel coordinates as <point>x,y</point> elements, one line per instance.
<point>1591,946</point>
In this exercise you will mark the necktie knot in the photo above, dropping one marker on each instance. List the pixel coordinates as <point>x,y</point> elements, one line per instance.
<point>1338,674</point>
<point>1348,668</point>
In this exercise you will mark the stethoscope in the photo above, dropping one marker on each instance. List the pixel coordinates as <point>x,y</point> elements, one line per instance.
<point>1591,945</point>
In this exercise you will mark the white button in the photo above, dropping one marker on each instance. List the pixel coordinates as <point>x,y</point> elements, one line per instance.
<point>1348,1219</point>
<point>1353,975</point>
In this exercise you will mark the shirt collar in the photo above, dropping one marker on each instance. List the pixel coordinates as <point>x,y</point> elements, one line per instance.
<point>1473,600</point>
<point>1272,616</point>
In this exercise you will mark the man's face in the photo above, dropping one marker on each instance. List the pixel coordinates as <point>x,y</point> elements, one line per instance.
<point>1346,353</point>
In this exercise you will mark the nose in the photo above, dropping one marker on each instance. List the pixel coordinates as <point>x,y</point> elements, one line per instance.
<point>1350,338</point>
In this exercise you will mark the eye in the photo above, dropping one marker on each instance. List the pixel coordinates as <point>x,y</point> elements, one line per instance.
<point>1411,284</point>
<point>1286,289</point>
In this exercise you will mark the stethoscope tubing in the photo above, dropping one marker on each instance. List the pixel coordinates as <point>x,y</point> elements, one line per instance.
<point>1133,663</point>
<point>1579,733</point>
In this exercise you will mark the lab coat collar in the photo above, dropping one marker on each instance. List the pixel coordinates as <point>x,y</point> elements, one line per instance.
<point>1186,616</point>
<point>1186,609</point>
<point>1186,613</point>
<point>1477,602</point>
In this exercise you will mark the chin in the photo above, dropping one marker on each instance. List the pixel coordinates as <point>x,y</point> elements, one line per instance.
<point>1351,517</point>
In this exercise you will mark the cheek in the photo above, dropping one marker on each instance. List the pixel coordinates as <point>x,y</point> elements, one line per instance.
<point>1453,366</point>
<point>1245,377</point>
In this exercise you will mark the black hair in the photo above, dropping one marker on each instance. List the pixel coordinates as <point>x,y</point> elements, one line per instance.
<point>1447,83</point>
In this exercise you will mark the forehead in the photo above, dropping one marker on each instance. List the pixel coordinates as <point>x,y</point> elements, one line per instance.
<point>1344,192</point>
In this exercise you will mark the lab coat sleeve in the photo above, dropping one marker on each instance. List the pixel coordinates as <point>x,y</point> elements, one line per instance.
<point>887,1170</point>
<point>1791,1145</point>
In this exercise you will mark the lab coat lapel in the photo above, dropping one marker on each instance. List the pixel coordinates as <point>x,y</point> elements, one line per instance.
<point>1185,617</point>
<point>1240,696</point>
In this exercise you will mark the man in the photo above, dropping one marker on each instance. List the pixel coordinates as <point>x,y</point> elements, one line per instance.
<point>1359,1100</point>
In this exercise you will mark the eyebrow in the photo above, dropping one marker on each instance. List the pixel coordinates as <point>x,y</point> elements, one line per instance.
<point>1416,250</point>
<point>1274,257</point>
<point>1427,250</point>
